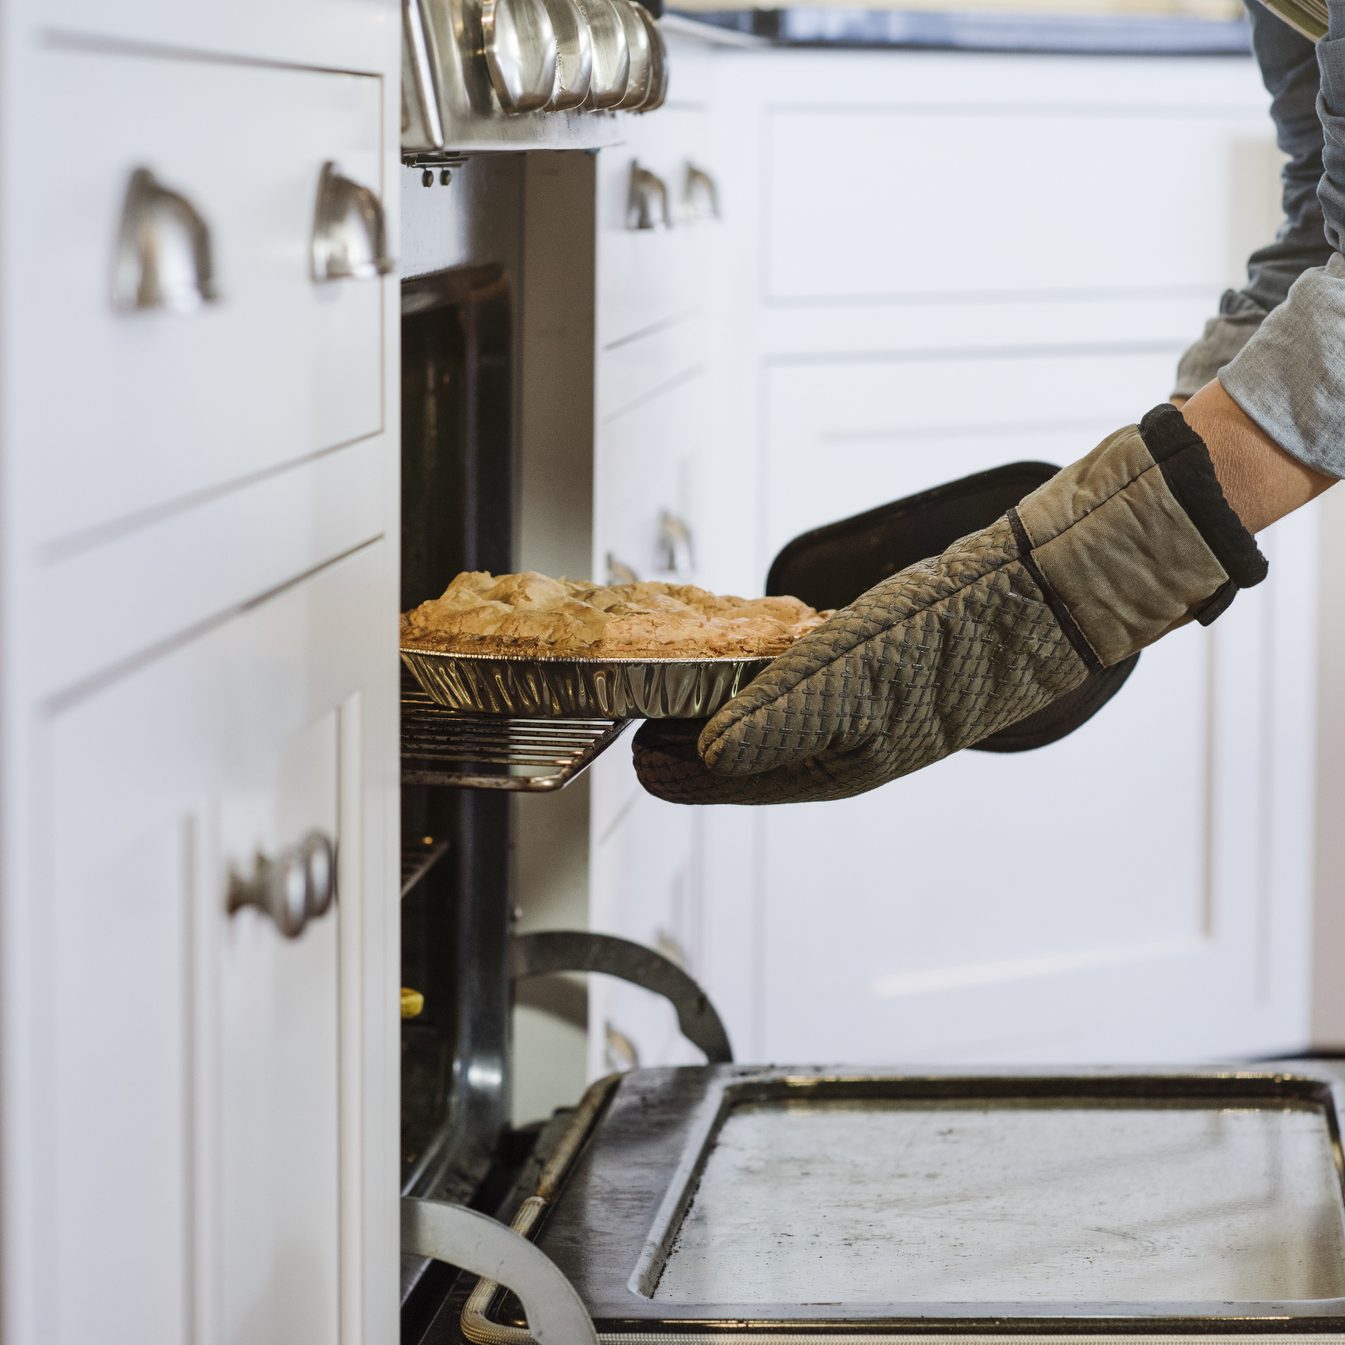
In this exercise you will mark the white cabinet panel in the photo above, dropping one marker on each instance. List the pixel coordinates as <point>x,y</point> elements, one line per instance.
<point>215,1119</point>
<point>149,408</point>
<point>649,277</point>
<point>117,1126</point>
<point>1104,898</point>
<point>339,34</point>
<point>280,1207</point>
<point>646,885</point>
<point>1048,200</point>
<point>849,434</point>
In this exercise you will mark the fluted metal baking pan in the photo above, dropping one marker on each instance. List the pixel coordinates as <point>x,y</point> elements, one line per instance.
<point>603,688</point>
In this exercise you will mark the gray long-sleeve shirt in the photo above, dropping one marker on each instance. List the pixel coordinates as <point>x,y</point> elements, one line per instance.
<point>1278,344</point>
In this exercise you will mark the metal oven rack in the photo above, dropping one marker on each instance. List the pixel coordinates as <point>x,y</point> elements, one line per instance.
<point>461,750</point>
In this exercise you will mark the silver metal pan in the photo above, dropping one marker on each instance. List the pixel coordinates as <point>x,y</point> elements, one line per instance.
<point>578,688</point>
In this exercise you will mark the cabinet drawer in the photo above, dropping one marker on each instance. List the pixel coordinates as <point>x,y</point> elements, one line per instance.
<point>645,469</point>
<point>247,1128</point>
<point>119,412</point>
<point>648,277</point>
<point>337,34</point>
<point>861,225</point>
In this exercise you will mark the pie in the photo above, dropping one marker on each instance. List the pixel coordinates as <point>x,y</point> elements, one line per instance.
<point>529,615</point>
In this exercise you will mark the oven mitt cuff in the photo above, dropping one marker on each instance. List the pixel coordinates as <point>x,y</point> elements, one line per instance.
<point>1106,557</point>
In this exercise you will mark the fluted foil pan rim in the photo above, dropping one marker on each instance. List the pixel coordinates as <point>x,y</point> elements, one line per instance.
<point>580,688</point>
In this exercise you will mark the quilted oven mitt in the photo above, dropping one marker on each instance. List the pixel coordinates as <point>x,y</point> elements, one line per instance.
<point>1110,554</point>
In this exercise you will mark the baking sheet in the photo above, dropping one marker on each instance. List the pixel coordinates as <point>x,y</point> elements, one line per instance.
<point>864,1201</point>
<point>1187,1200</point>
<point>581,688</point>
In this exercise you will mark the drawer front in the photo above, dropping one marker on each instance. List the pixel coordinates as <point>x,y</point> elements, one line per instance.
<point>251,1143</point>
<point>646,469</point>
<point>860,224</point>
<point>337,34</point>
<point>145,587</point>
<point>649,277</point>
<point>126,412</point>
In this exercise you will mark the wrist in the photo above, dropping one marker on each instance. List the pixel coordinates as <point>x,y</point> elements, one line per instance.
<point>1260,480</point>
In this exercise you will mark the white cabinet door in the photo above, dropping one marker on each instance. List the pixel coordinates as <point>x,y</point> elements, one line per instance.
<point>1136,891</point>
<point>646,885</point>
<point>216,1112</point>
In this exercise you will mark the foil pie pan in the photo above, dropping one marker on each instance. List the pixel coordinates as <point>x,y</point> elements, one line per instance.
<point>581,688</point>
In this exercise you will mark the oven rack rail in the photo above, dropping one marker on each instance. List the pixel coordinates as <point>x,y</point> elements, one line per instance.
<point>458,749</point>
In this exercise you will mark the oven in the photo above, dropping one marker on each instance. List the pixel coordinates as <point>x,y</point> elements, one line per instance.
<point>734,1201</point>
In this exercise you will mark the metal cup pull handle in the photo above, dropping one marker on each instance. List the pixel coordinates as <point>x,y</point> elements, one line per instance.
<point>647,206</point>
<point>619,1051</point>
<point>675,546</point>
<point>618,572</point>
<point>701,194</point>
<point>294,888</point>
<point>164,259</point>
<point>349,231</point>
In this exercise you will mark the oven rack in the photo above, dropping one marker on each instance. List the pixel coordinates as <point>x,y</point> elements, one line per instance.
<point>461,750</point>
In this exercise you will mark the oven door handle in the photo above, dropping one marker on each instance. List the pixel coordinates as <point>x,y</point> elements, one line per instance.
<point>483,1246</point>
<point>550,951</point>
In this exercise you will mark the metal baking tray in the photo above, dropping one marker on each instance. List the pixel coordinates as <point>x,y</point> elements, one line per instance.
<point>581,688</point>
<point>1088,1202</point>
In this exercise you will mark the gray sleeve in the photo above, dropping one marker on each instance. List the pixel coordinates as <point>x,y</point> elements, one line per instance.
<point>1288,65</point>
<point>1290,376</point>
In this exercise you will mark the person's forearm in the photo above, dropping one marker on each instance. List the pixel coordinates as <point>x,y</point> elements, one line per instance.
<point>1260,480</point>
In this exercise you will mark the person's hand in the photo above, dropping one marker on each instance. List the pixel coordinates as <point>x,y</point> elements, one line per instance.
<point>1110,554</point>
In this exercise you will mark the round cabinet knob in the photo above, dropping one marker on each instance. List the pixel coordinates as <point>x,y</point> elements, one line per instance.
<point>520,46</point>
<point>611,53</point>
<point>658,60</point>
<point>574,54</point>
<point>641,56</point>
<point>296,887</point>
<point>163,258</point>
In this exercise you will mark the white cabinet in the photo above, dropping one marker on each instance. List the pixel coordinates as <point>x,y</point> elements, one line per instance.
<point>212,1144</point>
<point>198,538</point>
<point>152,409</point>
<point>660,296</point>
<point>939,282</point>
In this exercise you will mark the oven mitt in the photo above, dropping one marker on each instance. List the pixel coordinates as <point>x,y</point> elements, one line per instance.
<point>1110,554</point>
<point>830,566</point>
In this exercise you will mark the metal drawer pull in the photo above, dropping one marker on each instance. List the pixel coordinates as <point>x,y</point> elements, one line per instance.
<point>349,230</point>
<point>675,547</point>
<point>297,887</point>
<point>618,572</point>
<point>701,194</point>
<point>647,206</point>
<point>619,1051</point>
<point>163,256</point>
<point>481,1246</point>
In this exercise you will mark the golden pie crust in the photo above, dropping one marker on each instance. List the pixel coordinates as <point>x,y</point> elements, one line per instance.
<point>531,616</point>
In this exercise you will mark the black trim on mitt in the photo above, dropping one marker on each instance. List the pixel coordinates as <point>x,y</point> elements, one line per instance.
<point>1058,609</point>
<point>1184,460</point>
